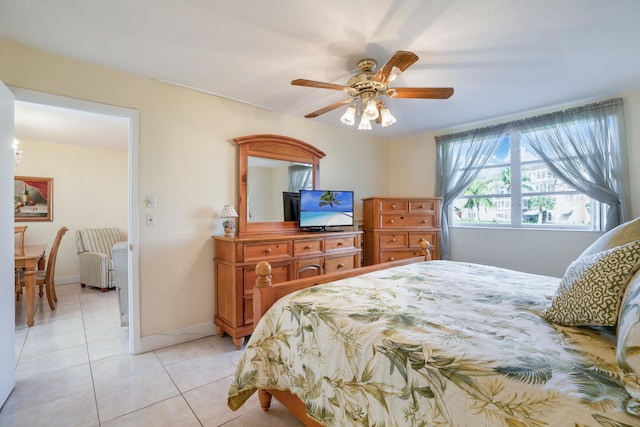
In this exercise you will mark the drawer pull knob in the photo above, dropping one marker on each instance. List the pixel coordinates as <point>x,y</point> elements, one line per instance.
<point>394,240</point>
<point>391,221</point>
<point>340,265</point>
<point>424,221</point>
<point>394,206</point>
<point>268,250</point>
<point>340,244</point>
<point>392,258</point>
<point>423,206</point>
<point>307,247</point>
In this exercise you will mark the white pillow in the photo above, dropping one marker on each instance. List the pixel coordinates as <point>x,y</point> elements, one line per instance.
<point>618,236</point>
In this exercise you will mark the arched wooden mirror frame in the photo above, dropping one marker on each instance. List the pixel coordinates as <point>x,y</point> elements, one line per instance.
<point>276,147</point>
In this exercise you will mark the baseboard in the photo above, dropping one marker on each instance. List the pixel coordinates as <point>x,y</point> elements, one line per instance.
<point>154,342</point>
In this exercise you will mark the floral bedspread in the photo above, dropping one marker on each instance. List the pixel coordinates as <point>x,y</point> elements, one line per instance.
<point>439,343</point>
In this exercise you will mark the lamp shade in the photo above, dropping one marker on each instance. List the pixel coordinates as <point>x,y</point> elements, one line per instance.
<point>229,212</point>
<point>387,117</point>
<point>348,118</point>
<point>365,124</point>
<point>371,110</point>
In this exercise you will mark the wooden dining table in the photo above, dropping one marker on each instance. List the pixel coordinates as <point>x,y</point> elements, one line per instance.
<point>27,257</point>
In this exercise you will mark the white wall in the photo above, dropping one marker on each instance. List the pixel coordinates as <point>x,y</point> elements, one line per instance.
<point>413,163</point>
<point>89,190</point>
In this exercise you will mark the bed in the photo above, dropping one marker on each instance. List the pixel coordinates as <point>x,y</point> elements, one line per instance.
<point>452,343</point>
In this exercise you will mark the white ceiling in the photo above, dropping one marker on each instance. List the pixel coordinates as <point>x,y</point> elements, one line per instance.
<point>503,57</point>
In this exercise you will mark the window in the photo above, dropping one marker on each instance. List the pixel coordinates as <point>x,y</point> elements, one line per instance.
<point>516,189</point>
<point>585,146</point>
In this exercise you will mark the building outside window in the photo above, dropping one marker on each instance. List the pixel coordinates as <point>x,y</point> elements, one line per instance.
<point>516,189</point>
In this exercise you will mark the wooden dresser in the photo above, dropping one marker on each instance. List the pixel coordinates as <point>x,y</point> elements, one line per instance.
<point>291,256</point>
<point>394,226</point>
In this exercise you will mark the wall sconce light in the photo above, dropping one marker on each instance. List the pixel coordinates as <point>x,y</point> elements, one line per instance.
<point>17,152</point>
<point>229,225</point>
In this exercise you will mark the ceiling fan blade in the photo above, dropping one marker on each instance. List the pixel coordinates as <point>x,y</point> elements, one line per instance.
<point>402,59</point>
<point>420,92</point>
<point>329,108</point>
<point>321,85</point>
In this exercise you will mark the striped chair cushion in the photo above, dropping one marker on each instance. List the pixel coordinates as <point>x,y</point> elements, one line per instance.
<point>99,240</point>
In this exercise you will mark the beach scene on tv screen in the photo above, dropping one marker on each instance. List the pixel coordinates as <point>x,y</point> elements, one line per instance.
<point>326,208</point>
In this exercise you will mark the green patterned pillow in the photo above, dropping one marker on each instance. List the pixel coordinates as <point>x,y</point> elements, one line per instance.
<point>592,287</point>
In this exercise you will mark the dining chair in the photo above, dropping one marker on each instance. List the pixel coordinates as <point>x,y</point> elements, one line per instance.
<point>19,234</point>
<point>19,243</point>
<point>46,278</point>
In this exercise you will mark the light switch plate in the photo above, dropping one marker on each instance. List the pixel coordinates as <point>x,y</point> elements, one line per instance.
<point>151,200</point>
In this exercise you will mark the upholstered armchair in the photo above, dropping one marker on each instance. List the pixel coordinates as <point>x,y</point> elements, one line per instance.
<point>94,249</point>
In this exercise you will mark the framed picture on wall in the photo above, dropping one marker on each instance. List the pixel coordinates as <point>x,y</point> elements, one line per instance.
<point>33,198</point>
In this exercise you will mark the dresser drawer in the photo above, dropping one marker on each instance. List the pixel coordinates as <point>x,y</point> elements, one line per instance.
<point>280,272</point>
<point>386,256</point>
<point>423,220</point>
<point>267,250</point>
<point>394,240</point>
<point>308,267</point>
<point>306,247</point>
<point>342,263</point>
<point>431,237</point>
<point>390,206</point>
<point>339,243</point>
<point>423,205</point>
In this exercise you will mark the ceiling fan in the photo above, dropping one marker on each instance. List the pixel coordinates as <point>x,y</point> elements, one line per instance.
<point>366,88</point>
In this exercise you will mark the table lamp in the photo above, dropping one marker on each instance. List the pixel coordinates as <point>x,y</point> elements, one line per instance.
<point>229,225</point>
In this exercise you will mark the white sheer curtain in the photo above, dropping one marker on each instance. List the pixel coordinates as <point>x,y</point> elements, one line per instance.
<point>300,177</point>
<point>459,159</point>
<point>586,148</point>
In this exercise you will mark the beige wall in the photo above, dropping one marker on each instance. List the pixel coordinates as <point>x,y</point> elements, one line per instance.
<point>547,252</point>
<point>188,158</point>
<point>90,187</point>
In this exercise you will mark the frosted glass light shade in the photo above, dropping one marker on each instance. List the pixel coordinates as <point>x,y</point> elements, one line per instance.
<point>372,110</point>
<point>395,72</point>
<point>365,124</point>
<point>349,116</point>
<point>387,117</point>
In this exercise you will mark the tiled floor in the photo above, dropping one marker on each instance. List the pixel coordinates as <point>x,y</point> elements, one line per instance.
<point>74,369</point>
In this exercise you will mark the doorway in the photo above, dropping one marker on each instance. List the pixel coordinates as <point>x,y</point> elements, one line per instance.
<point>131,119</point>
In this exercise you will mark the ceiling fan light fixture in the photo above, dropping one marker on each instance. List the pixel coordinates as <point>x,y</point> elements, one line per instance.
<point>349,116</point>
<point>365,89</point>
<point>371,111</point>
<point>395,72</point>
<point>387,117</point>
<point>365,123</point>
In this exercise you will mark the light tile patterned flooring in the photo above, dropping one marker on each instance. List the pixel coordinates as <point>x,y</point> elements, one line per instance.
<point>73,369</point>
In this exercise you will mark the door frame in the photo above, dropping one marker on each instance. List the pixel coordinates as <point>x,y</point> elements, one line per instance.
<point>7,294</point>
<point>132,115</point>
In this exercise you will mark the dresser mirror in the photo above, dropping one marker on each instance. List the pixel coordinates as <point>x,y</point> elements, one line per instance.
<point>268,181</point>
<point>270,165</point>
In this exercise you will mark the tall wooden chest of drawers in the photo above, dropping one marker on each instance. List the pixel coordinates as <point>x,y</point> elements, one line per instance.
<point>292,256</point>
<point>394,226</point>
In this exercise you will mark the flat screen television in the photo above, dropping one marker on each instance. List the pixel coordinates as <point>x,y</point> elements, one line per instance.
<point>320,209</point>
<point>291,205</point>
